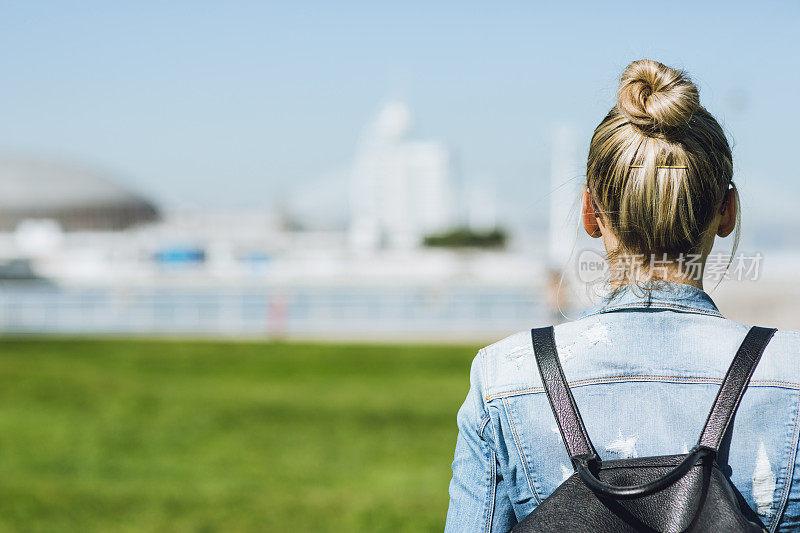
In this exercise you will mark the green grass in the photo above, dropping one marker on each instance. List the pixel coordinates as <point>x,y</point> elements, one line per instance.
<point>124,435</point>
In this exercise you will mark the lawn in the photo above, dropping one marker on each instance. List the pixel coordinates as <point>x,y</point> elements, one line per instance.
<point>131,435</point>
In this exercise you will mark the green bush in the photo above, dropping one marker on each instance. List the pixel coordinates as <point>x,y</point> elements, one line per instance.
<point>467,238</point>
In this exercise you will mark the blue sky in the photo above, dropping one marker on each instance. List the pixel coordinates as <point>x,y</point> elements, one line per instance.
<point>248,103</point>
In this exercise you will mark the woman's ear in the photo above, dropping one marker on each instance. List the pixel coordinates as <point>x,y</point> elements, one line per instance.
<point>589,216</point>
<point>727,214</point>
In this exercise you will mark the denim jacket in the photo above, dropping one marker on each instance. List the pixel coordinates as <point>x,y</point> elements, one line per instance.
<point>644,369</point>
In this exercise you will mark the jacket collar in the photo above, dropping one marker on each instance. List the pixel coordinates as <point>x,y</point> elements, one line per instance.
<point>662,295</point>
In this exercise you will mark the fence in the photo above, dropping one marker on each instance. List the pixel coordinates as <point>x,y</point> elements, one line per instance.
<point>353,311</point>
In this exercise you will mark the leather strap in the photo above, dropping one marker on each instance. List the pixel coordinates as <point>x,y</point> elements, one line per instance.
<point>561,401</point>
<point>734,385</point>
<point>584,469</point>
<point>727,401</point>
<point>579,447</point>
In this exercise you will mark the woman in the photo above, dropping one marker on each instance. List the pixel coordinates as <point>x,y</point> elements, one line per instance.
<point>645,364</point>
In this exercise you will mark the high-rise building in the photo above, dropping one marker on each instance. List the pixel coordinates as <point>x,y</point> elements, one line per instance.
<point>400,189</point>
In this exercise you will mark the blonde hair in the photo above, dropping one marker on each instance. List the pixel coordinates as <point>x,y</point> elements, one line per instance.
<point>659,164</point>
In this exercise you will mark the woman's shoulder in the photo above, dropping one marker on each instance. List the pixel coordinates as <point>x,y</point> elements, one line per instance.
<point>508,366</point>
<point>780,362</point>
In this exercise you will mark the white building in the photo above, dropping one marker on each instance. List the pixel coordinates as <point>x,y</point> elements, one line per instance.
<point>400,189</point>
<point>565,189</point>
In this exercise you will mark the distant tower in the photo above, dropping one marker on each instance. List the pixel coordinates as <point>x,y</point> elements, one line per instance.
<point>400,189</point>
<point>428,166</point>
<point>375,175</point>
<point>565,183</point>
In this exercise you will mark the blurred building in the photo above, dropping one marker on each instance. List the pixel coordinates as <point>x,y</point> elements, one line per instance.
<point>400,189</point>
<point>565,186</point>
<point>566,178</point>
<point>79,254</point>
<point>72,196</point>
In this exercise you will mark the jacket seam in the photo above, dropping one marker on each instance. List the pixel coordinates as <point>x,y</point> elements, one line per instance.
<point>640,378</point>
<point>522,456</point>
<point>490,457</point>
<point>787,485</point>
<point>490,493</point>
<point>484,369</point>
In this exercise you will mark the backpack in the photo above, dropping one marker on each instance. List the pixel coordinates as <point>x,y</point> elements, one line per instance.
<point>668,493</point>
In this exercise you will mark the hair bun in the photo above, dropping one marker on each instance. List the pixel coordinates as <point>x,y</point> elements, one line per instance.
<point>656,97</point>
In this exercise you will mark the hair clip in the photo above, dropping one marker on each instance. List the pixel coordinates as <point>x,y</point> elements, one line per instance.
<point>661,166</point>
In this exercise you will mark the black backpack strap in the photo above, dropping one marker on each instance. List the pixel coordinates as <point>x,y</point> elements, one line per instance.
<point>734,385</point>
<point>561,401</point>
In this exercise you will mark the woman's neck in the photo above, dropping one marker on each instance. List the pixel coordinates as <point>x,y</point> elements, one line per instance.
<point>628,272</point>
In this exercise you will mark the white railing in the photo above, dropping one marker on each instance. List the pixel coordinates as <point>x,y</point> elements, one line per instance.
<point>295,312</point>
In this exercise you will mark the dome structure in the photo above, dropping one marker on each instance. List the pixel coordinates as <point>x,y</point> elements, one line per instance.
<point>78,198</point>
